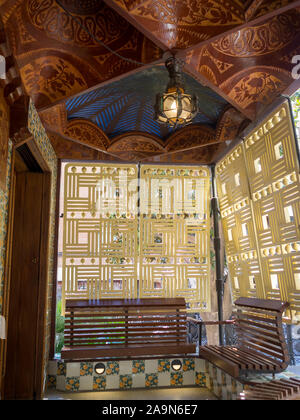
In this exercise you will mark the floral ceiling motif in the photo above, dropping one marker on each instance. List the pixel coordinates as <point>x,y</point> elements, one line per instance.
<point>176,22</point>
<point>261,39</point>
<point>260,61</point>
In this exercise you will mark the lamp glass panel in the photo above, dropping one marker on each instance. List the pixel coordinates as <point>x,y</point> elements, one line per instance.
<point>170,107</point>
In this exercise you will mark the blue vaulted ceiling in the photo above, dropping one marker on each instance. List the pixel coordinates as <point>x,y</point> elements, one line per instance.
<point>128,104</point>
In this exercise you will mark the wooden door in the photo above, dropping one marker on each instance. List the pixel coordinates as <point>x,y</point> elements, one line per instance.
<point>25,288</point>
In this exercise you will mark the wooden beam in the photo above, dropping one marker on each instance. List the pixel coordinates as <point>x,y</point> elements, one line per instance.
<point>127,16</point>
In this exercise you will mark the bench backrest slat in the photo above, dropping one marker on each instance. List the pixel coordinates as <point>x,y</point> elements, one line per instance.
<point>259,329</point>
<point>116,323</point>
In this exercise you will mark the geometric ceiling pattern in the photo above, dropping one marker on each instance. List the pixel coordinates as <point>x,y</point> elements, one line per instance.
<point>237,58</point>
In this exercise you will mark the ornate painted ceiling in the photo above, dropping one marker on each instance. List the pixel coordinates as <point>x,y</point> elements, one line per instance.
<point>128,104</point>
<point>95,104</point>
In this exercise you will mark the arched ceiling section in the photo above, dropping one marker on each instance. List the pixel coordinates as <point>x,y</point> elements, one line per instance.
<point>128,105</point>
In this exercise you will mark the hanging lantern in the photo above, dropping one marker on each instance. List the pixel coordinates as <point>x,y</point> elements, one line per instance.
<point>175,107</point>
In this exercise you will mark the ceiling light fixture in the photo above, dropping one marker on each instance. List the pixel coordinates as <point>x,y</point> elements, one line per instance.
<point>175,107</point>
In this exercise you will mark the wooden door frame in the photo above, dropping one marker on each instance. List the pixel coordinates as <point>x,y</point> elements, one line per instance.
<point>7,268</point>
<point>43,266</point>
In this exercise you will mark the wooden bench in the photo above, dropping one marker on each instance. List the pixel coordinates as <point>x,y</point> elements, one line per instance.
<point>117,327</point>
<point>261,345</point>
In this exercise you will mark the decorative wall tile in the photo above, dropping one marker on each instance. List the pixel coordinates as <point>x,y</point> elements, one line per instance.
<point>188,364</point>
<point>72,384</point>
<point>51,382</point>
<point>138,366</point>
<point>86,369</point>
<point>176,379</point>
<point>99,383</point>
<point>61,369</point>
<point>200,379</point>
<point>113,368</point>
<point>151,380</point>
<point>125,374</point>
<point>164,365</point>
<point>125,381</point>
<point>217,381</point>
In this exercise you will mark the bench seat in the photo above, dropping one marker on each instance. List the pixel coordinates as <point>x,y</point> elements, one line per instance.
<point>261,345</point>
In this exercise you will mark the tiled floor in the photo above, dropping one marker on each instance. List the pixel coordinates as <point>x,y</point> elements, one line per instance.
<point>157,394</point>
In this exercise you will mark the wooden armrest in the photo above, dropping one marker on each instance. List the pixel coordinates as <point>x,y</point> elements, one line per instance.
<point>197,321</point>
